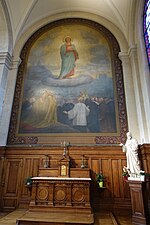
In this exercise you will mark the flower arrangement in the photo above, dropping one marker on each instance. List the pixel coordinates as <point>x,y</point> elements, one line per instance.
<point>100,177</point>
<point>28,181</point>
<point>125,172</point>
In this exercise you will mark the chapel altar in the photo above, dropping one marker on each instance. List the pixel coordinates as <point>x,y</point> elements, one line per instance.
<point>63,192</point>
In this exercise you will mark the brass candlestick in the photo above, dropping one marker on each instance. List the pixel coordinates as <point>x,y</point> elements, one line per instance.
<point>82,164</point>
<point>46,162</point>
<point>65,145</point>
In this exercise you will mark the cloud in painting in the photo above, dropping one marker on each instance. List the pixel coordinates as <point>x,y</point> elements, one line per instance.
<point>68,82</point>
<point>44,76</point>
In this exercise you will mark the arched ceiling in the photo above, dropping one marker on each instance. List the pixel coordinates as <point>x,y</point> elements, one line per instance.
<point>23,14</point>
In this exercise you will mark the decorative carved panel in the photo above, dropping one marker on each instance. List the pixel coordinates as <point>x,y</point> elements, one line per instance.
<point>42,193</point>
<point>65,195</point>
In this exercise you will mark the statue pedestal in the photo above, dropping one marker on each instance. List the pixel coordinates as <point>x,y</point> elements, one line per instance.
<point>139,200</point>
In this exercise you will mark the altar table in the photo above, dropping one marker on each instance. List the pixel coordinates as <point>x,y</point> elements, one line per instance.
<point>61,194</point>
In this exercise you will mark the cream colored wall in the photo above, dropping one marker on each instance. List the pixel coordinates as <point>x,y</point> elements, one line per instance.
<point>143,75</point>
<point>135,77</point>
<point>5,63</point>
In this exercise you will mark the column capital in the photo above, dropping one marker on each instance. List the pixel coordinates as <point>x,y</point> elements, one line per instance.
<point>132,50</point>
<point>16,62</point>
<point>5,59</point>
<point>9,61</point>
<point>124,57</point>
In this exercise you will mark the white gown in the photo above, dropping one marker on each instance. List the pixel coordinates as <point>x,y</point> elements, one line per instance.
<point>131,149</point>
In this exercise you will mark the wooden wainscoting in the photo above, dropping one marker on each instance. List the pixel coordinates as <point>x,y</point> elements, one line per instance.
<point>20,162</point>
<point>2,177</point>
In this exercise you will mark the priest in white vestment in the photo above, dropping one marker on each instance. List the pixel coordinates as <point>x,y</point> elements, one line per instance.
<point>78,115</point>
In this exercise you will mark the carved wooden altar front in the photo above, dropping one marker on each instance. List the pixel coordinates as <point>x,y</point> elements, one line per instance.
<point>61,194</point>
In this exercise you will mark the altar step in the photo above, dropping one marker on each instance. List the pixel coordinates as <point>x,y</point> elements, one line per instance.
<point>100,218</point>
<point>35,218</point>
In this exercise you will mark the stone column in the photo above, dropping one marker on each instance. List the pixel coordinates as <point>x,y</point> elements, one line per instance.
<point>129,94</point>
<point>5,65</point>
<point>8,73</point>
<point>139,99</point>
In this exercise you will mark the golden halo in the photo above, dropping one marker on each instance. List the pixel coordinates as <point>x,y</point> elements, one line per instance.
<point>67,37</point>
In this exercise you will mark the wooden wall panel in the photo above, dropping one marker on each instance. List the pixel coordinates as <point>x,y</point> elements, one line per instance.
<point>2,175</point>
<point>12,183</point>
<point>29,168</point>
<point>115,178</point>
<point>21,162</point>
<point>145,156</point>
<point>12,177</point>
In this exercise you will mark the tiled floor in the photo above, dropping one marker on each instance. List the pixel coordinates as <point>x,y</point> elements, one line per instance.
<point>105,218</point>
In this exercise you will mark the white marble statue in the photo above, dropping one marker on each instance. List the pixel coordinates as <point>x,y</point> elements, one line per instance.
<point>131,150</point>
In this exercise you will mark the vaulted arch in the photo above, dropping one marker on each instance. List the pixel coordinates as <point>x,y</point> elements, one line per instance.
<point>6,37</point>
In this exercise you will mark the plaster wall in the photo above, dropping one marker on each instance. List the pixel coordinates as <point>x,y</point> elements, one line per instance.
<point>144,72</point>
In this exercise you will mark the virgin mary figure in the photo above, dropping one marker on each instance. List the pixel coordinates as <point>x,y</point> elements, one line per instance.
<point>69,55</point>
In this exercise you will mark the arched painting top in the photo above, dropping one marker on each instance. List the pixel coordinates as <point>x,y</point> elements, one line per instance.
<point>69,87</point>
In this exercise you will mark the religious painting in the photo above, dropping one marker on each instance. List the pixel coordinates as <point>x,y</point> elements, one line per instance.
<point>68,84</point>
